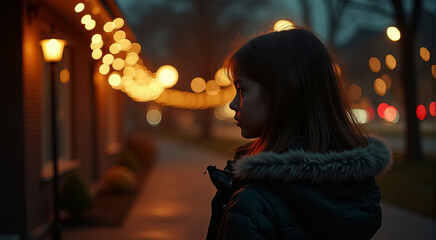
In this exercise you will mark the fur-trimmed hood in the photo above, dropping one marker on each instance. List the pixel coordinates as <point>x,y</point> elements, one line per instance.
<point>300,166</point>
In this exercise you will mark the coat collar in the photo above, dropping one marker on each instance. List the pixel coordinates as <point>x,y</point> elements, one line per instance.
<point>299,166</point>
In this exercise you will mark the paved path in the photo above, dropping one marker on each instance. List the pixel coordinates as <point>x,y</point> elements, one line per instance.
<point>175,203</point>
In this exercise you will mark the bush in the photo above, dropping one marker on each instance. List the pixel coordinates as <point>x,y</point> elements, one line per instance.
<point>129,160</point>
<point>120,179</point>
<point>75,195</point>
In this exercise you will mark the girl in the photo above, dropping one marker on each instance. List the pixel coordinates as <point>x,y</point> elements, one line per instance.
<point>309,174</point>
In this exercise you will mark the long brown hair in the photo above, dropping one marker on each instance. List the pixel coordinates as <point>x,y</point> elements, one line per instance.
<point>307,100</point>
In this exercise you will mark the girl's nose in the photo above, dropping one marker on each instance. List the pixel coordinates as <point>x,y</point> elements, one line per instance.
<point>234,105</point>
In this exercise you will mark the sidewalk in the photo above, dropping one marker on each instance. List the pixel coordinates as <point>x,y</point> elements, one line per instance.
<point>174,203</point>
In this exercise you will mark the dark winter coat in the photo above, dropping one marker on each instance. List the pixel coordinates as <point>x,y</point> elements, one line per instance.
<point>299,195</point>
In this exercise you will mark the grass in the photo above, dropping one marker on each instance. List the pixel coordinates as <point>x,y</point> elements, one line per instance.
<point>408,184</point>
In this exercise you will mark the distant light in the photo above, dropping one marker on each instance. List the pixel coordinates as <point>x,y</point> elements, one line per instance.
<point>79,7</point>
<point>95,10</point>
<point>390,114</point>
<point>96,38</point>
<point>381,109</point>
<point>125,44</point>
<point>154,117</point>
<point>282,25</point>
<point>433,71</point>
<point>104,69</point>
<point>393,33</point>
<point>432,109</point>
<point>108,59</point>
<point>421,112</point>
<point>212,88</point>
<point>374,64</point>
<point>115,48</point>
<point>96,45</point>
<point>118,22</point>
<point>114,80</point>
<point>135,47</point>
<point>96,54</point>
<point>354,92</point>
<point>86,19</point>
<point>221,77</point>
<point>90,24</point>
<point>64,75</point>
<point>132,58</point>
<point>380,87</point>
<point>371,113</point>
<point>119,35</point>
<point>387,81</point>
<point>361,115</point>
<point>118,64</point>
<point>390,61</point>
<point>108,27</point>
<point>167,75</point>
<point>198,84</point>
<point>424,53</point>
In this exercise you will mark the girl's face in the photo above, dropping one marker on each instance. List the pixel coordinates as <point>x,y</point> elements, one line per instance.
<point>250,106</point>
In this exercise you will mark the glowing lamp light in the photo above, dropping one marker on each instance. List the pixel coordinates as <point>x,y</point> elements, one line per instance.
<point>282,25</point>
<point>96,54</point>
<point>64,75</point>
<point>370,113</point>
<point>167,75</point>
<point>114,80</point>
<point>52,49</point>
<point>381,109</point>
<point>104,69</point>
<point>361,115</point>
<point>424,53</point>
<point>432,109</point>
<point>390,61</point>
<point>198,85</point>
<point>380,87</point>
<point>374,64</point>
<point>421,112</point>
<point>154,117</point>
<point>79,7</point>
<point>393,33</point>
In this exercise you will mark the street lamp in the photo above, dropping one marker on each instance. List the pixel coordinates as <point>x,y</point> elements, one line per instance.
<point>52,50</point>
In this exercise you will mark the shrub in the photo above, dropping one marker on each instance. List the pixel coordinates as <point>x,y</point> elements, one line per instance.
<point>129,160</point>
<point>120,179</point>
<point>75,196</point>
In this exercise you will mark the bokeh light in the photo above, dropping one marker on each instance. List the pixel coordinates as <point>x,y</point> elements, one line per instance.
<point>108,59</point>
<point>118,64</point>
<point>221,77</point>
<point>118,23</point>
<point>135,47</point>
<point>212,88</point>
<point>282,25</point>
<point>391,114</point>
<point>390,61</point>
<point>96,38</point>
<point>79,7</point>
<point>354,92</point>
<point>115,48</point>
<point>432,109</point>
<point>198,85</point>
<point>114,80</point>
<point>433,71</point>
<point>380,87</point>
<point>90,24</point>
<point>424,53</point>
<point>387,80</point>
<point>64,75</point>
<point>154,116</point>
<point>374,64</point>
<point>132,58</point>
<point>109,27</point>
<point>119,35</point>
<point>393,33</point>
<point>371,113</point>
<point>361,115</point>
<point>421,112</point>
<point>167,75</point>
<point>104,69</point>
<point>96,54</point>
<point>381,109</point>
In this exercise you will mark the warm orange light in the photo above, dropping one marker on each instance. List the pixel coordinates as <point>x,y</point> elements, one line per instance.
<point>390,114</point>
<point>198,84</point>
<point>115,48</point>
<point>154,116</point>
<point>132,58</point>
<point>374,64</point>
<point>104,69</point>
<point>85,19</point>
<point>433,71</point>
<point>380,87</point>
<point>424,53</point>
<point>355,92</point>
<point>119,35</point>
<point>125,44</point>
<point>114,80</point>
<point>79,7</point>
<point>118,64</point>
<point>96,38</point>
<point>95,10</point>
<point>135,47</point>
<point>381,109</point>
<point>167,75</point>
<point>96,54</point>
<point>108,59</point>
<point>390,61</point>
<point>282,25</point>
<point>90,24</point>
<point>52,49</point>
<point>109,27</point>
<point>96,45</point>
<point>118,23</point>
<point>393,33</point>
<point>212,88</point>
<point>387,81</point>
<point>64,75</point>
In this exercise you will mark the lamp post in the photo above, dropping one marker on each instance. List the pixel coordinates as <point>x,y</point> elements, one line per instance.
<point>52,50</point>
